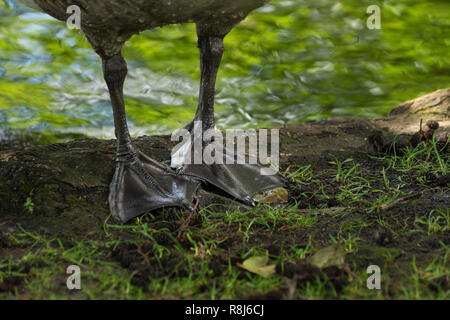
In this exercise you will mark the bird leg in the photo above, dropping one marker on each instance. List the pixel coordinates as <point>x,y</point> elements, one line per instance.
<point>139,184</point>
<point>242,181</point>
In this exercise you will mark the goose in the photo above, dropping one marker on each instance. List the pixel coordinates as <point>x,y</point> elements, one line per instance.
<point>141,184</point>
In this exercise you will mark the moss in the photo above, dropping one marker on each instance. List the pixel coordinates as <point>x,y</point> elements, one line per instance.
<point>374,255</point>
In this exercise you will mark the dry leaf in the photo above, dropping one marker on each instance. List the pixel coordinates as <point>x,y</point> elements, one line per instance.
<point>329,256</point>
<point>258,265</point>
<point>273,196</point>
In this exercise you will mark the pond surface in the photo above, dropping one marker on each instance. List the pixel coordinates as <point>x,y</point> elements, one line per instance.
<point>289,62</point>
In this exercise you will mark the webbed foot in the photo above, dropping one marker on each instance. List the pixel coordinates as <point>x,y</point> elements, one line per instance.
<point>242,180</point>
<point>141,184</point>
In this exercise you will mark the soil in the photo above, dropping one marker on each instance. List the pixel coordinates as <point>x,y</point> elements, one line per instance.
<point>66,188</point>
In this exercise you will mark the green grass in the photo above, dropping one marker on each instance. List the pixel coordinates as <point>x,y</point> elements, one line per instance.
<point>357,203</point>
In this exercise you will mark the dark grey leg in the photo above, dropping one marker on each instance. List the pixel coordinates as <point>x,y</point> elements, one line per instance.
<point>211,52</point>
<point>115,71</point>
<point>140,184</point>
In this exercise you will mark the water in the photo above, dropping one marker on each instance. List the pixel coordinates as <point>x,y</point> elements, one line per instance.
<point>289,62</point>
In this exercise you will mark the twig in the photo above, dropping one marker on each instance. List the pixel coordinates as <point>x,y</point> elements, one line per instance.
<point>188,219</point>
<point>405,198</point>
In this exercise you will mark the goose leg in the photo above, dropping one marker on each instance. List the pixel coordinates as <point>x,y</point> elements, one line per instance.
<point>242,181</point>
<point>140,183</point>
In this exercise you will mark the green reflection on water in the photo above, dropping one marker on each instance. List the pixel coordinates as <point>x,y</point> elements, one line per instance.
<point>291,61</point>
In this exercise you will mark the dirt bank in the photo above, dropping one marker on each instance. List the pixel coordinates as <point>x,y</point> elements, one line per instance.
<point>348,185</point>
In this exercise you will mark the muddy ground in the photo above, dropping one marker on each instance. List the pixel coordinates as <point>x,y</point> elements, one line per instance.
<point>376,188</point>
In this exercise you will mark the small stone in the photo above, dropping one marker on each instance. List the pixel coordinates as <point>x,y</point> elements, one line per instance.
<point>432,124</point>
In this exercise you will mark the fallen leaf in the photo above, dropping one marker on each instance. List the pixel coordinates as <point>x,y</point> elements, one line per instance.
<point>258,265</point>
<point>273,196</point>
<point>256,261</point>
<point>329,256</point>
<point>5,156</point>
